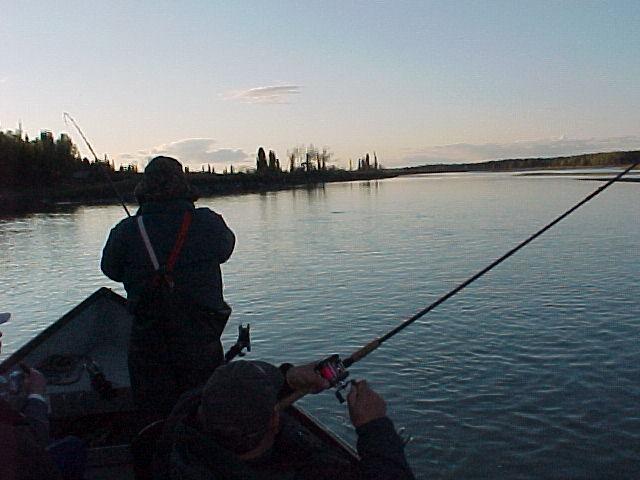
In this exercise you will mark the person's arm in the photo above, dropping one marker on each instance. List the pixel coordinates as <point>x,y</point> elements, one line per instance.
<point>112,263</point>
<point>36,409</point>
<point>380,447</point>
<point>298,382</point>
<point>225,240</point>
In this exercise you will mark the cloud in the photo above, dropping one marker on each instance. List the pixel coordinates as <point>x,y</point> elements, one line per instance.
<point>4,79</point>
<point>562,146</point>
<point>270,95</point>
<point>192,152</point>
<point>228,155</point>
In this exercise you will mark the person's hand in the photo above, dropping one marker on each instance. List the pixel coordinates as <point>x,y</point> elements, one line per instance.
<point>365,405</point>
<point>305,378</point>
<point>34,381</point>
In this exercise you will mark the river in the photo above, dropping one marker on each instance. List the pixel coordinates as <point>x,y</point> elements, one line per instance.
<point>533,371</point>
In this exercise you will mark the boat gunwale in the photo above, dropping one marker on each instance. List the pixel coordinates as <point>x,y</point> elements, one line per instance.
<point>309,421</point>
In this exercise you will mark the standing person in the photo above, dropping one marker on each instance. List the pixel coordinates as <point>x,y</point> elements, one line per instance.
<point>168,256</point>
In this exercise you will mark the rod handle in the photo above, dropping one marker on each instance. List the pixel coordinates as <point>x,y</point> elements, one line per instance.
<point>363,352</point>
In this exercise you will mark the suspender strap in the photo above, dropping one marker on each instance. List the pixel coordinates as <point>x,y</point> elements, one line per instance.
<point>175,252</point>
<point>147,244</point>
<point>182,236</point>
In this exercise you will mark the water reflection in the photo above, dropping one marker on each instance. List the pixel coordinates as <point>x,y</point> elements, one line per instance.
<point>31,210</point>
<point>531,371</point>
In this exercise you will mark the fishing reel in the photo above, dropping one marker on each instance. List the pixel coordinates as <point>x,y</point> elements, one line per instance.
<point>243,341</point>
<point>334,371</point>
<point>99,381</point>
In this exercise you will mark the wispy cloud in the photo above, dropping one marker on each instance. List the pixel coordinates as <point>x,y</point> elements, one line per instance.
<point>192,152</point>
<point>276,94</point>
<point>468,153</point>
<point>4,79</point>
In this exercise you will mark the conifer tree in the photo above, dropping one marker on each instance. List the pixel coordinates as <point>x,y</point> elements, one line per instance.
<point>261,160</point>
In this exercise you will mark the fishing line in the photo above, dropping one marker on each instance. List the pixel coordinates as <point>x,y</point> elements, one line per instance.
<point>68,117</point>
<point>371,346</point>
<point>334,369</point>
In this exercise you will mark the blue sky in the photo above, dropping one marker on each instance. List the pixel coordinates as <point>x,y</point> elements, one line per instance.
<point>417,82</point>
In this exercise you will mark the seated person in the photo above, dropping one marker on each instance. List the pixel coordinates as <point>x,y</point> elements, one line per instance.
<point>24,435</point>
<point>236,428</point>
<point>25,448</point>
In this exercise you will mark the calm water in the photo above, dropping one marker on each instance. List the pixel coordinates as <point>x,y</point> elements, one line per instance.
<point>531,372</point>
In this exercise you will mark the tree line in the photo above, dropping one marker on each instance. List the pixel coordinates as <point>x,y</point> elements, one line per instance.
<point>300,159</point>
<point>588,160</point>
<point>45,161</point>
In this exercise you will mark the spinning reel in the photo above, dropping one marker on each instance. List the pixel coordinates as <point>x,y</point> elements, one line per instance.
<point>335,372</point>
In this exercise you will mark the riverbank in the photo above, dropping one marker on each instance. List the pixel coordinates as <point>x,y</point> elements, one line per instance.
<point>584,161</point>
<point>78,192</point>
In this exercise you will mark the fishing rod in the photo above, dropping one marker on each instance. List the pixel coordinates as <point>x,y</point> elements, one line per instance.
<point>67,118</point>
<point>334,369</point>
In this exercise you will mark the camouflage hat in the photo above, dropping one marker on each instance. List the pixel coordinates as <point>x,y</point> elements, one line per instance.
<point>164,179</point>
<point>238,402</point>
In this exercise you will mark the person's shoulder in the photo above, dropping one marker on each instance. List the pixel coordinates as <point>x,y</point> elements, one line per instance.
<point>207,215</point>
<point>204,211</point>
<point>125,223</point>
<point>122,230</point>
<point>187,403</point>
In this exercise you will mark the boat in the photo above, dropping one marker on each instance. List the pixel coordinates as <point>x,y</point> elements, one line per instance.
<point>84,357</point>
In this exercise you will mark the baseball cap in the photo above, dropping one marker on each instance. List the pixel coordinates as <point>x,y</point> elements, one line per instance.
<point>238,402</point>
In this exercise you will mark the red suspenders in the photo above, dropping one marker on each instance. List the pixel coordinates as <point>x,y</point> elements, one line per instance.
<point>165,273</point>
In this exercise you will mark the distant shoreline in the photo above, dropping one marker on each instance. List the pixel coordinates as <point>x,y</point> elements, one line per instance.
<point>74,193</point>
<point>584,161</point>
<point>69,196</point>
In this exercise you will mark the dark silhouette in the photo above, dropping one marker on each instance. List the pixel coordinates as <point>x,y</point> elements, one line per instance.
<point>292,162</point>
<point>261,161</point>
<point>178,305</point>
<point>42,162</point>
<point>274,163</point>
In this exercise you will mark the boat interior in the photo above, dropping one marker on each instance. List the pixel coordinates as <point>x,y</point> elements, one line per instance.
<point>84,357</point>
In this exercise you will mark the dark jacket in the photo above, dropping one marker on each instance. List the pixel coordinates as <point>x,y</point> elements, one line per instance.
<point>197,271</point>
<point>185,453</point>
<point>23,437</point>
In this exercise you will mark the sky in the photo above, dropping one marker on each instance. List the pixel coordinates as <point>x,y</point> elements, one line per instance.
<point>414,81</point>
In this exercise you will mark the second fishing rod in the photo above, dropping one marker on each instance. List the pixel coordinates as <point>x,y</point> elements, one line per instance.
<point>68,117</point>
<point>334,368</point>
